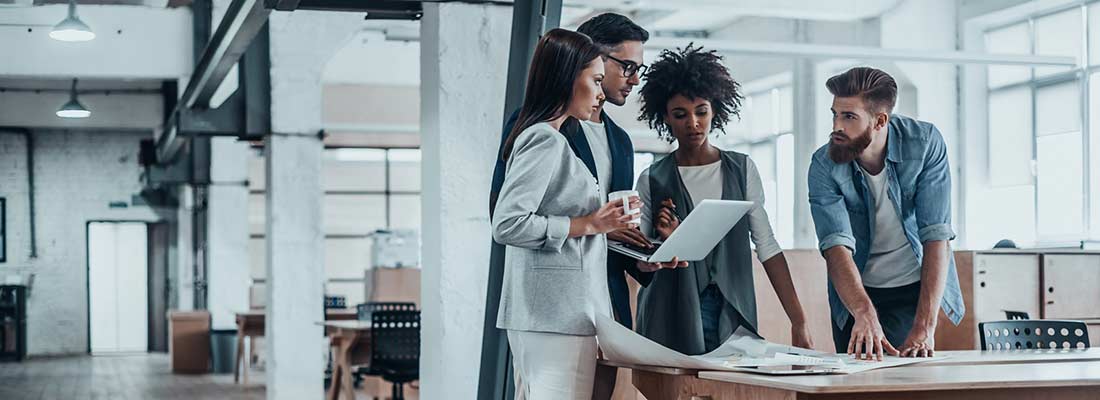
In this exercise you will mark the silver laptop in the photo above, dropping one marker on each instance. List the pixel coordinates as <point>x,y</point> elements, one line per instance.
<point>790,370</point>
<point>696,236</point>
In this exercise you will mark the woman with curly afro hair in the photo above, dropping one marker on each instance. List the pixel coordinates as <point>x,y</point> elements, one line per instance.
<point>688,95</point>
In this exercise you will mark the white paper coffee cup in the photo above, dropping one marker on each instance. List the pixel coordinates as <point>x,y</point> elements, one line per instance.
<point>625,196</point>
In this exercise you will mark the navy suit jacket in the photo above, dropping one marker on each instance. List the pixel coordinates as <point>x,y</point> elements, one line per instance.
<point>622,178</point>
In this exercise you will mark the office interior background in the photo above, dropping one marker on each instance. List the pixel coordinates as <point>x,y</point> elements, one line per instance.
<point>347,156</point>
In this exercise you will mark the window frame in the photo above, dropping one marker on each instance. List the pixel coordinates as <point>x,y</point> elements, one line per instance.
<point>1081,74</point>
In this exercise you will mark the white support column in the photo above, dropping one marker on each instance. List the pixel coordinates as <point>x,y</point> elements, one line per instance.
<point>295,274</point>
<point>227,272</point>
<point>463,59</point>
<point>302,42</point>
<point>806,133</point>
<point>185,267</point>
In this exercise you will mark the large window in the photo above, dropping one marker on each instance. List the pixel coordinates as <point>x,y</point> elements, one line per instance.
<point>366,189</point>
<point>765,134</point>
<point>1039,139</point>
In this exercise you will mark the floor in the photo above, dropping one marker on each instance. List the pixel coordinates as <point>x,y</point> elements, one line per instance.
<point>124,377</point>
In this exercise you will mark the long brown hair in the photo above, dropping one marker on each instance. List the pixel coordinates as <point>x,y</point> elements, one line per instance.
<point>559,58</point>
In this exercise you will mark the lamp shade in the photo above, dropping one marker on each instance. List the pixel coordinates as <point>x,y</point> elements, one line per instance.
<point>72,29</point>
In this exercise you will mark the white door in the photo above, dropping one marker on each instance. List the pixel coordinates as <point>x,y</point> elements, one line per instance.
<point>117,286</point>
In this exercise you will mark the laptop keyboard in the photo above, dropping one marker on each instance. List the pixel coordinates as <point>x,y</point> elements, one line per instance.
<point>643,250</point>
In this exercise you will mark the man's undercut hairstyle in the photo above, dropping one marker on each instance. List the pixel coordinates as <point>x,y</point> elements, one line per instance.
<point>878,89</point>
<point>609,30</point>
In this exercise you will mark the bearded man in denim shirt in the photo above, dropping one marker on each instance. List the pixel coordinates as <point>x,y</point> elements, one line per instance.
<point>880,197</point>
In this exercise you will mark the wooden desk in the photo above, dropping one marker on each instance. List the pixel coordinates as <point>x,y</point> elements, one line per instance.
<point>250,324</point>
<point>1071,374</point>
<point>351,345</point>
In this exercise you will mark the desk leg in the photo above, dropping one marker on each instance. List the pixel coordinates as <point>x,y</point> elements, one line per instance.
<point>345,365</point>
<point>334,382</point>
<point>240,354</point>
<point>248,360</point>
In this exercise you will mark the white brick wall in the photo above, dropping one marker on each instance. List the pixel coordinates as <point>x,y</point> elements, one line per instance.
<point>77,173</point>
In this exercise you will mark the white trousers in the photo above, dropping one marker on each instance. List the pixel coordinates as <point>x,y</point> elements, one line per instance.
<point>553,366</point>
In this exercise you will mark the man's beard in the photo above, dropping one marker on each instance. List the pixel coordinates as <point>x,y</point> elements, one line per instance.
<point>846,153</point>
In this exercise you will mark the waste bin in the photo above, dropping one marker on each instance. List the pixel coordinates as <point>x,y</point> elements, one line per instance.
<point>189,341</point>
<point>223,349</point>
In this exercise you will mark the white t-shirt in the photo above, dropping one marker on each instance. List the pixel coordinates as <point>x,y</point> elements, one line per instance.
<point>601,153</point>
<point>892,262</point>
<point>705,182</point>
<point>600,295</point>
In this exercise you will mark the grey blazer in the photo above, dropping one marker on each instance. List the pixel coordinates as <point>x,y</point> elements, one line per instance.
<point>546,274</point>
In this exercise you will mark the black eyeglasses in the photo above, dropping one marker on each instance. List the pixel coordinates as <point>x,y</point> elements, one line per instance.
<point>629,67</point>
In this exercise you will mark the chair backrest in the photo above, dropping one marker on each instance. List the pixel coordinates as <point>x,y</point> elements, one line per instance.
<point>1014,315</point>
<point>364,311</point>
<point>395,341</point>
<point>1033,334</point>
<point>335,302</point>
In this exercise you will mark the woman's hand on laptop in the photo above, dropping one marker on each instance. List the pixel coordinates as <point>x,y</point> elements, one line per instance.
<point>631,236</point>
<point>667,221</point>
<point>652,267</point>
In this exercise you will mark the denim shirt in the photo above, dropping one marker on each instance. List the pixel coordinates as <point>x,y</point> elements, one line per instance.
<point>919,187</point>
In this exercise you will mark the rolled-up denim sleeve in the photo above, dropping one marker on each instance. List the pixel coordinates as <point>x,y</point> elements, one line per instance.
<point>831,221</point>
<point>932,197</point>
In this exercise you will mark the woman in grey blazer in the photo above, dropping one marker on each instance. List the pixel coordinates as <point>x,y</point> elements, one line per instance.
<point>551,215</point>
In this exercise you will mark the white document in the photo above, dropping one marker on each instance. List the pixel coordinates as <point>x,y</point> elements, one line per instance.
<point>742,349</point>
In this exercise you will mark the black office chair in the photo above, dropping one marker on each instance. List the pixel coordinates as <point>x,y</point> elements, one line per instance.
<point>1033,334</point>
<point>363,313</point>
<point>395,348</point>
<point>1015,315</point>
<point>364,310</point>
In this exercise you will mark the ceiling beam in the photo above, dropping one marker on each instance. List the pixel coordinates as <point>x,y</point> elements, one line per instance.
<point>242,21</point>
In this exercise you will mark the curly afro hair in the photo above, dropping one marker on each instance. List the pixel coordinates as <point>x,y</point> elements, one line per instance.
<point>694,73</point>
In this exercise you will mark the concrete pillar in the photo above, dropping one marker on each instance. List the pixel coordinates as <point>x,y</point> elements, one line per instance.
<point>463,63</point>
<point>185,267</point>
<point>295,271</point>
<point>302,42</point>
<point>806,131</point>
<point>227,270</point>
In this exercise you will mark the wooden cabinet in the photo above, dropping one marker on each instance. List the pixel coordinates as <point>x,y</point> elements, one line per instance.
<point>1071,286</point>
<point>1057,284</point>
<point>990,283</point>
<point>1005,282</point>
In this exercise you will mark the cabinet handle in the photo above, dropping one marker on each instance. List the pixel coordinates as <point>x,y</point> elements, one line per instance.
<point>1050,289</point>
<point>1050,302</point>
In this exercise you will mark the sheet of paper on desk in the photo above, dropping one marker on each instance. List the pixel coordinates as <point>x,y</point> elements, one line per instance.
<point>626,346</point>
<point>742,349</point>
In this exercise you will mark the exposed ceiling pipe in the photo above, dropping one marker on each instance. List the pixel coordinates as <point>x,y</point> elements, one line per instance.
<point>832,10</point>
<point>28,139</point>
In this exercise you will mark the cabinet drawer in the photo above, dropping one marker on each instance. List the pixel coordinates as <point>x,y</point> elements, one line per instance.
<point>1071,286</point>
<point>1005,282</point>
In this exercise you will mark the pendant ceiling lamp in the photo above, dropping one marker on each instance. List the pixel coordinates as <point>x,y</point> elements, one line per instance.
<point>73,108</point>
<point>72,29</point>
